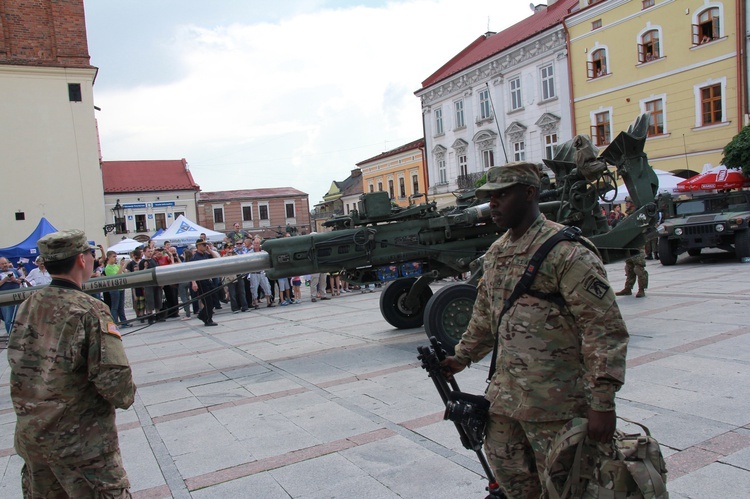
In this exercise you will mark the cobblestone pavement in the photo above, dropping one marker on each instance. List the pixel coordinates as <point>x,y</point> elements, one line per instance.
<point>326,399</point>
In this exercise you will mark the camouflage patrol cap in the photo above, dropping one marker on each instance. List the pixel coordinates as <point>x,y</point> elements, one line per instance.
<point>502,177</point>
<point>63,244</point>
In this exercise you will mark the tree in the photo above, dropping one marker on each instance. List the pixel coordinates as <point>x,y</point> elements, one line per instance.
<point>737,152</point>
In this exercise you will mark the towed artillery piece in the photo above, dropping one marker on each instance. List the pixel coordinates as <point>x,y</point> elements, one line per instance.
<point>412,247</point>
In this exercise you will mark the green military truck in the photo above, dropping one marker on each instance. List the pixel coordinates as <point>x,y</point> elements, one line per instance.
<point>706,221</point>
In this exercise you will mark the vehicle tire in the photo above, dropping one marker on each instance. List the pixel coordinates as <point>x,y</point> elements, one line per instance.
<point>667,255</point>
<point>393,304</point>
<point>742,244</point>
<point>694,251</point>
<point>448,313</point>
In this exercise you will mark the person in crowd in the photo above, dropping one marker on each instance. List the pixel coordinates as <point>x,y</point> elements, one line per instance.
<point>183,288</point>
<point>138,294</point>
<point>237,235</point>
<point>153,294</point>
<point>236,288</point>
<point>39,276</point>
<point>558,351</point>
<point>65,402</point>
<point>204,287</point>
<point>116,296</point>
<point>259,279</point>
<point>11,279</point>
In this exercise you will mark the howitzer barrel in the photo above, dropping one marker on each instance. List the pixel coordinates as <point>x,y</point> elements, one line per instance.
<point>161,276</point>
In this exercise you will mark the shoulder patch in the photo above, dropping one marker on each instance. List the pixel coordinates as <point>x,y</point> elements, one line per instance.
<point>112,329</point>
<point>595,286</point>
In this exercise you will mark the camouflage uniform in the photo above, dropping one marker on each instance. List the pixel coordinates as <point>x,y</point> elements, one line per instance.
<point>635,268</point>
<point>553,362</point>
<point>68,374</point>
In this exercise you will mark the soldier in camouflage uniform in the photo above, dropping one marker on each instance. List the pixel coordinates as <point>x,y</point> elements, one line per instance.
<point>554,361</point>
<point>635,266</point>
<point>68,374</point>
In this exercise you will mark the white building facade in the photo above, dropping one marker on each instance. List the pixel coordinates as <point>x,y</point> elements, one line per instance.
<point>513,105</point>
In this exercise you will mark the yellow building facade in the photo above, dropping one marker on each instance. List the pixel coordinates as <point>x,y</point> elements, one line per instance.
<point>676,60</point>
<point>401,172</point>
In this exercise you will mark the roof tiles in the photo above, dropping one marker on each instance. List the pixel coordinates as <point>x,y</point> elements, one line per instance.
<point>147,176</point>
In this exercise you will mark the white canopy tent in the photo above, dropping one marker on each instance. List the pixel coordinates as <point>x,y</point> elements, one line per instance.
<point>184,231</point>
<point>125,246</point>
<point>667,185</point>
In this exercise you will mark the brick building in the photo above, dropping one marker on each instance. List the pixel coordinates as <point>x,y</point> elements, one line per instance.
<point>265,212</point>
<point>48,135</point>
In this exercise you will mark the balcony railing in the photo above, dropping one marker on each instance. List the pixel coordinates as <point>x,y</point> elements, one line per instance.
<point>467,181</point>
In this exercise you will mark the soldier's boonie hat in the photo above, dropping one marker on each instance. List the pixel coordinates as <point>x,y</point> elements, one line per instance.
<point>63,244</point>
<point>502,177</point>
<point>628,200</point>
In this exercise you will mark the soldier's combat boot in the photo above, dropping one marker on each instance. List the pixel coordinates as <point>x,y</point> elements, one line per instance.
<point>641,293</point>
<point>624,292</point>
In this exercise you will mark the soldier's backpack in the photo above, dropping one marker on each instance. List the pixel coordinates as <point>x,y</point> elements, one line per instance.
<point>633,467</point>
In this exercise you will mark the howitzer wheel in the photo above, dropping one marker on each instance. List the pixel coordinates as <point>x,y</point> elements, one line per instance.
<point>448,313</point>
<point>394,308</point>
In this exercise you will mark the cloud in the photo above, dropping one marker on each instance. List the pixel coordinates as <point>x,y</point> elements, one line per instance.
<point>294,102</point>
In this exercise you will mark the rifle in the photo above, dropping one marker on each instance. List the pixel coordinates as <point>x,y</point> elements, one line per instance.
<point>468,412</point>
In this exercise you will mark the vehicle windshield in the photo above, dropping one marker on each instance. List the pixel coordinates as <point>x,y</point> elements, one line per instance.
<point>733,202</point>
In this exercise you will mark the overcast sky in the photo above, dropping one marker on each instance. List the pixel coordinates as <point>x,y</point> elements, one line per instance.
<point>283,93</point>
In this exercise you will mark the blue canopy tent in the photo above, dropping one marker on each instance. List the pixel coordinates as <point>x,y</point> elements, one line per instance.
<point>28,248</point>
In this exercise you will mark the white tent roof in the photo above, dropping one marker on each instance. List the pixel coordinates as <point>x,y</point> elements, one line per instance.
<point>184,231</point>
<point>125,246</point>
<point>667,184</point>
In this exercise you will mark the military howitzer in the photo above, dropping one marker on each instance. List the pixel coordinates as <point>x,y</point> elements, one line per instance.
<point>414,246</point>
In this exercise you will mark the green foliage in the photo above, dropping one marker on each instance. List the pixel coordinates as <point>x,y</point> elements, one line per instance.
<point>737,152</point>
<point>480,182</point>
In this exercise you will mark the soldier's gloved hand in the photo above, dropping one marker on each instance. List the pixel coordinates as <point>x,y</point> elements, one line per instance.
<point>602,425</point>
<point>450,366</point>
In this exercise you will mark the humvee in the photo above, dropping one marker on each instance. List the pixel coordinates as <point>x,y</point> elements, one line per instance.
<point>706,221</point>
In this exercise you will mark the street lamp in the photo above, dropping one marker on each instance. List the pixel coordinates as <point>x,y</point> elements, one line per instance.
<point>117,212</point>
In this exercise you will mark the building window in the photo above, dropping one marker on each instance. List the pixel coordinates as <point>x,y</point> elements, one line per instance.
<point>601,130</point>
<point>178,214</point>
<point>218,215</point>
<point>20,216</point>
<point>442,172</point>
<point>485,109</point>
<point>372,188</point>
<point>140,223</point>
<point>708,26</point>
<point>247,213</point>
<point>515,93</point>
<point>550,143</point>
<point>597,66</point>
<point>390,189</point>
<point>648,3</point>
<point>380,186</point>
<point>596,24</point>
<point>519,151</point>
<point>289,208</point>
<point>711,105</point>
<point>488,158</point>
<point>648,49</point>
<point>655,109</point>
<point>459,107</point>
<point>160,221</point>
<point>547,76</point>
<point>415,184</point>
<point>439,122</point>
<point>402,187</point>
<point>463,167</point>
<point>74,92</point>
<point>263,211</point>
